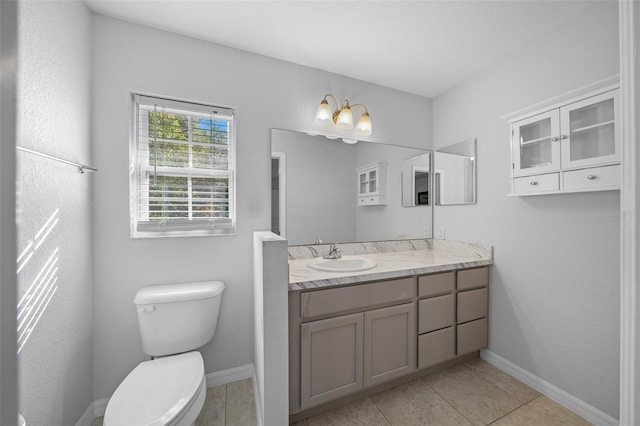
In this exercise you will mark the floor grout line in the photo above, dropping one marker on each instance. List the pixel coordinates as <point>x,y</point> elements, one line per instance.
<point>380,409</point>
<point>445,399</point>
<point>515,409</point>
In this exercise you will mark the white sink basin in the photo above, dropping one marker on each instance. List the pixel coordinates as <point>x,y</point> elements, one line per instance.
<point>345,264</point>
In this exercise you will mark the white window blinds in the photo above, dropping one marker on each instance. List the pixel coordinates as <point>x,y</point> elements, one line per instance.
<point>183,177</point>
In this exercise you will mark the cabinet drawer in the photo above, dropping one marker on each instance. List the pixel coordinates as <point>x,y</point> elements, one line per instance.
<point>473,278</point>
<point>472,305</point>
<point>372,200</point>
<point>537,183</point>
<point>594,177</point>
<point>436,347</point>
<point>431,285</point>
<point>472,336</point>
<point>343,299</point>
<point>436,313</point>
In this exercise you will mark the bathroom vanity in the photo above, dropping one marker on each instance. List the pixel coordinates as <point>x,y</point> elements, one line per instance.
<point>421,308</point>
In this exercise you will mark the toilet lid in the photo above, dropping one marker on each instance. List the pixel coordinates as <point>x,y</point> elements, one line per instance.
<point>157,391</point>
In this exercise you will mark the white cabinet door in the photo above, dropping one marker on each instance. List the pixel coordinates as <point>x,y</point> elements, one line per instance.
<point>589,133</point>
<point>535,146</point>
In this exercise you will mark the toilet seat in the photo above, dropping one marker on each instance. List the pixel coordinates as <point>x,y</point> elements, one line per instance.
<point>164,392</point>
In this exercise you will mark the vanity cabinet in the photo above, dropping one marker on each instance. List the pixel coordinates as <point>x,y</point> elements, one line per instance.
<point>436,318</point>
<point>332,361</point>
<point>572,147</point>
<point>347,353</point>
<point>372,184</point>
<point>452,315</point>
<point>351,338</point>
<point>472,310</point>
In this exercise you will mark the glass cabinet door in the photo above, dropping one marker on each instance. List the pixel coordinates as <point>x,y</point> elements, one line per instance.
<point>535,144</point>
<point>372,181</point>
<point>589,133</point>
<point>362,183</point>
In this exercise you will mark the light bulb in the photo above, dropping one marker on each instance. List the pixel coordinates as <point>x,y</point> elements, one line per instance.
<point>323,114</point>
<point>345,118</point>
<point>364,125</point>
<point>349,141</point>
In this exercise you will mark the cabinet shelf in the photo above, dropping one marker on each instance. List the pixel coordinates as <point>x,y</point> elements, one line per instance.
<point>594,126</point>
<point>535,141</point>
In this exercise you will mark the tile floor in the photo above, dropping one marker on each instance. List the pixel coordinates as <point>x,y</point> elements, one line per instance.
<point>226,405</point>
<point>474,393</point>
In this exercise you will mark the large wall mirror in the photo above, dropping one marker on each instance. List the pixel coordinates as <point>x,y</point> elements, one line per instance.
<point>315,190</point>
<point>454,169</point>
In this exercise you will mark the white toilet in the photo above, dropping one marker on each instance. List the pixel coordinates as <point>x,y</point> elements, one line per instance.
<point>169,390</point>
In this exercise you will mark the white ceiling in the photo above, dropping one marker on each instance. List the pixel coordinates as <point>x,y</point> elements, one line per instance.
<point>421,47</point>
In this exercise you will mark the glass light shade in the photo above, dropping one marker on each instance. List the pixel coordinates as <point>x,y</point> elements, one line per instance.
<point>324,114</point>
<point>364,125</point>
<point>349,141</point>
<point>345,118</point>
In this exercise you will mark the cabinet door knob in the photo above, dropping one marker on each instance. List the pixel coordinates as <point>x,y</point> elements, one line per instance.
<point>592,177</point>
<point>563,136</point>
<point>533,182</point>
<point>555,139</point>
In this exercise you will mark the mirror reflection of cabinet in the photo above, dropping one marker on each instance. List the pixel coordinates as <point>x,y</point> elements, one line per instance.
<point>572,147</point>
<point>372,184</point>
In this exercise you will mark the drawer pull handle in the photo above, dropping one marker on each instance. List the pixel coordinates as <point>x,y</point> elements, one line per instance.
<point>533,182</point>
<point>592,177</point>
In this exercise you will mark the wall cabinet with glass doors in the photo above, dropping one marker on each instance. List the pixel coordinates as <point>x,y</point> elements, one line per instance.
<point>573,147</point>
<point>372,184</point>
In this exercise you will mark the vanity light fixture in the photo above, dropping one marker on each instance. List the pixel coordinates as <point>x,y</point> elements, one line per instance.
<point>342,116</point>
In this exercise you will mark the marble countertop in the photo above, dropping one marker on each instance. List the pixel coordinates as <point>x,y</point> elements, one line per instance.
<point>417,257</point>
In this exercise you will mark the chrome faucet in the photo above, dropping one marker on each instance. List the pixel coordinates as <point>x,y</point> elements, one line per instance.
<point>334,252</point>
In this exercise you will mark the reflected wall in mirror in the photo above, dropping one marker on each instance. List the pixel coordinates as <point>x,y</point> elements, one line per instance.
<point>455,173</point>
<point>314,191</point>
<point>416,181</point>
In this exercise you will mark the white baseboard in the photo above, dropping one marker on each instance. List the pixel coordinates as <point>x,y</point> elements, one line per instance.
<point>230,375</point>
<point>217,378</point>
<point>87,417</point>
<point>100,406</point>
<point>571,402</point>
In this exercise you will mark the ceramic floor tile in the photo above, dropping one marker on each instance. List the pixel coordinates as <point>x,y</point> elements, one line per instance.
<point>524,415</point>
<point>358,413</point>
<point>213,411</point>
<point>300,423</point>
<point>556,413</point>
<point>417,404</point>
<point>479,400</point>
<point>241,408</point>
<point>507,383</point>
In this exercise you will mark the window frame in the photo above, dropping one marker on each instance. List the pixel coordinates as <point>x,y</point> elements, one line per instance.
<point>188,227</point>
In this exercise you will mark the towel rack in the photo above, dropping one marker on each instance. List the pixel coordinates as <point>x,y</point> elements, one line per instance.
<point>81,167</point>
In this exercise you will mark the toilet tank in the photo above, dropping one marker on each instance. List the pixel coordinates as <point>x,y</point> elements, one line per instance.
<point>176,318</point>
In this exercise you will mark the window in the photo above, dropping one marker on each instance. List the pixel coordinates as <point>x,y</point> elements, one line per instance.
<point>182,179</point>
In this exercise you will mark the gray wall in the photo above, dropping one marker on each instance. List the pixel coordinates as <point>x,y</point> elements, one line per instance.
<point>554,303</point>
<point>54,115</point>
<point>320,187</point>
<point>267,93</point>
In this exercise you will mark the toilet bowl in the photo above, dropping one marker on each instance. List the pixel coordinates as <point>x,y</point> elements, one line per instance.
<point>169,390</point>
<point>175,389</point>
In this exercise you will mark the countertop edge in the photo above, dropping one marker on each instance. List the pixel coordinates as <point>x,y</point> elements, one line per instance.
<point>375,276</point>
